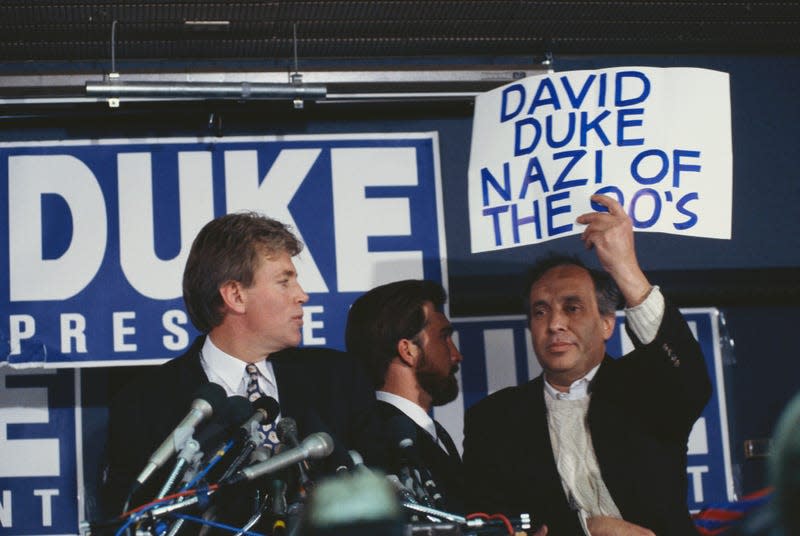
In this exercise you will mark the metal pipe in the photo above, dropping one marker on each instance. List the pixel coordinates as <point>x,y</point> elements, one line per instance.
<point>221,90</point>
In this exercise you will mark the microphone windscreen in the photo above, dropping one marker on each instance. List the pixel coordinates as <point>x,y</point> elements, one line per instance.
<point>212,393</point>
<point>287,431</point>
<point>270,406</point>
<point>237,410</point>
<point>233,413</point>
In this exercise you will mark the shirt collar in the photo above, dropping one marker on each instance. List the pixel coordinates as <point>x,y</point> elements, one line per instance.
<point>229,370</point>
<point>577,390</point>
<point>413,411</point>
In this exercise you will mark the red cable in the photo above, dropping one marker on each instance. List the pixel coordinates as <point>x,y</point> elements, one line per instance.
<point>127,514</point>
<point>501,517</point>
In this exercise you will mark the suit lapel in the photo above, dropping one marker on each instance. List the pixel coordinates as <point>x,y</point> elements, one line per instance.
<point>444,468</point>
<point>609,431</point>
<point>447,441</point>
<point>190,374</point>
<point>289,394</point>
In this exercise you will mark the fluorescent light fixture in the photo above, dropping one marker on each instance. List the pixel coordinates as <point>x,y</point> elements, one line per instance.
<point>206,90</point>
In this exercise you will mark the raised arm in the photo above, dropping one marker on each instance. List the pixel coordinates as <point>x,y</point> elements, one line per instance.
<point>611,235</point>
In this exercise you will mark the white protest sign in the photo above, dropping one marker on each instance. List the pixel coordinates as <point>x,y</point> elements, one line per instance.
<point>657,140</point>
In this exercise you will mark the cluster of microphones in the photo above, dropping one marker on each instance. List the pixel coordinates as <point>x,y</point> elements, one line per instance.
<point>217,450</point>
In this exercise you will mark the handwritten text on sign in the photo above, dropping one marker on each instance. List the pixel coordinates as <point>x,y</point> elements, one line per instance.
<point>658,140</point>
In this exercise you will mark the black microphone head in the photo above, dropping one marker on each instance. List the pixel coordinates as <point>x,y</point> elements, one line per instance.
<point>238,410</point>
<point>211,393</point>
<point>233,412</point>
<point>269,406</point>
<point>287,431</point>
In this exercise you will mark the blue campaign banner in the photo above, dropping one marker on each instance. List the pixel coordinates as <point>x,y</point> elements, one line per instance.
<point>498,353</point>
<point>40,452</point>
<point>98,232</point>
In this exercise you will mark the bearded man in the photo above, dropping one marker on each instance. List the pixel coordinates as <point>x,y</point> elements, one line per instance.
<point>404,339</point>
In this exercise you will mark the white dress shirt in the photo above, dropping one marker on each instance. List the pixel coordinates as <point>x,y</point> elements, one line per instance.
<point>414,412</point>
<point>229,372</point>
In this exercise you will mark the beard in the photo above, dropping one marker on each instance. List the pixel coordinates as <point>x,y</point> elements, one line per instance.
<point>443,389</point>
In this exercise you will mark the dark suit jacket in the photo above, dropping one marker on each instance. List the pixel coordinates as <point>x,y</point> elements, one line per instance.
<point>322,389</point>
<point>641,412</point>
<point>446,470</point>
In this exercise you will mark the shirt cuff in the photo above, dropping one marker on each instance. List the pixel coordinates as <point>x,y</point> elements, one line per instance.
<point>583,517</point>
<point>645,319</point>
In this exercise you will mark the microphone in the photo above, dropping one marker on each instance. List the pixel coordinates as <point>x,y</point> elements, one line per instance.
<point>234,410</point>
<point>412,472</point>
<point>287,434</point>
<point>340,460</point>
<point>217,433</point>
<point>317,445</point>
<point>277,491</point>
<point>404,493</point>
<point>208,399</point>
<point>266,411</point>
<point>260,454</point>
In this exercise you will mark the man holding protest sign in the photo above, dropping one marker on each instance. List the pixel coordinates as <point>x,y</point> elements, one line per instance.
<point>594,445</point>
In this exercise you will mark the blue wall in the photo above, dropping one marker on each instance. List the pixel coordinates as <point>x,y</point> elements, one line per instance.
<point>753,277</point>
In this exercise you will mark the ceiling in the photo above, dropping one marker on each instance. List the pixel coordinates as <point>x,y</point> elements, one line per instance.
<point>52,50</point>
<point>374,30</point>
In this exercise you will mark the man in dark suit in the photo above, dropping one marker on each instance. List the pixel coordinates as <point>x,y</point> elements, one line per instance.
<point>405,341</point>
<point>594,445</point>
<point>241,291</point>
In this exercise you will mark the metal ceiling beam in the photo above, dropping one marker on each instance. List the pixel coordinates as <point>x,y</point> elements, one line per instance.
<point>319,86</point>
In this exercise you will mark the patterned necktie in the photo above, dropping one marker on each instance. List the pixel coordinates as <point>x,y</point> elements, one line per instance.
<point>269,436</point>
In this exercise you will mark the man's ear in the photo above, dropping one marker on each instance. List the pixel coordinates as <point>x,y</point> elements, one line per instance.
<point>408,352</point>
<point>233,296</point>
<point>609,321</point>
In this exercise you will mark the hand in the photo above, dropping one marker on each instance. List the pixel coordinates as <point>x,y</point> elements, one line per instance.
<point>541,532</point>
<point>611,235</point>
<point>609,526</point>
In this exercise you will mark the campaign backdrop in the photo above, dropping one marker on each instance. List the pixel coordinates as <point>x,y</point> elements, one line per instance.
<point>95,233</point>
<point>41,418</point>
<point>41,463</point>
<point>657,140</point>
<point>498,353</point>
<point>96,238</point>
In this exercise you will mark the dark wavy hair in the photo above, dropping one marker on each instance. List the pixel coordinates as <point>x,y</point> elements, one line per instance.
<point>609,298</point>
<point>229,248</point>
<point>383,316</point>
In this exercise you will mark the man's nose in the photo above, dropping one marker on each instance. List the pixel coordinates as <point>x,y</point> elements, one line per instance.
<point>558,321</point>
<point>455,354</point>
<point>302,297</point>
